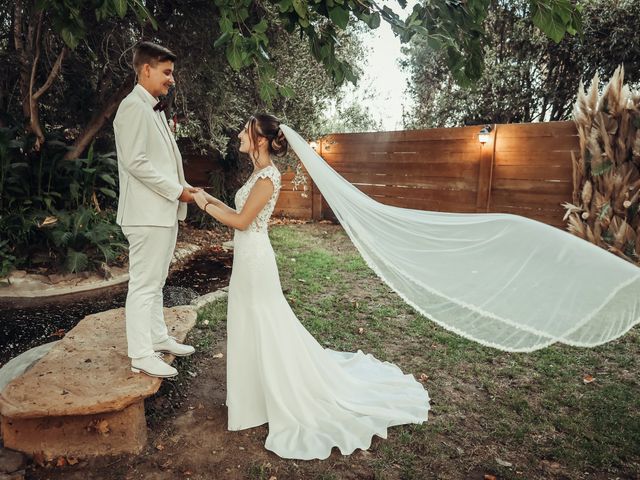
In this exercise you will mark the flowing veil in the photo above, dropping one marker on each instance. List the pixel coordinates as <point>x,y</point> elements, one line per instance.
<point>502,280</point>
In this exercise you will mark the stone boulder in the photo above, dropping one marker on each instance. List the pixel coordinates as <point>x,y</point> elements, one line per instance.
<point>81,399</point>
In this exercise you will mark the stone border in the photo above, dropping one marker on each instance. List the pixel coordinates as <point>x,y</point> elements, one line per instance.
<point>22,285</point>
<point>208,298</point>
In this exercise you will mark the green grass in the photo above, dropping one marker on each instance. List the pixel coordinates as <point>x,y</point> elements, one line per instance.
<point>530,410</point>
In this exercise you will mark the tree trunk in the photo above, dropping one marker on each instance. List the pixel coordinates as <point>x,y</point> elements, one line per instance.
<point>99,119</point>
<point>28,48</point>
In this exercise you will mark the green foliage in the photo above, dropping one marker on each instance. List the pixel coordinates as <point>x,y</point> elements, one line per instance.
<point>49,206</point>
<point>454,27</point>
<point>526,76</point>
<point>84,239</point>
<point>68,17</point>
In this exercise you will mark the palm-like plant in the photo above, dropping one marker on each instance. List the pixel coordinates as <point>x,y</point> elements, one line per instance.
<point>606,175</point>
<point>87,238</point>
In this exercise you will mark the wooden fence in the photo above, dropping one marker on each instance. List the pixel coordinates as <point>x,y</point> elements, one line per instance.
<point>523,169</point>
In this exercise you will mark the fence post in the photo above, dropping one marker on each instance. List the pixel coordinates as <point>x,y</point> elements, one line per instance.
<point>485,175</point>
<point>316,196</point>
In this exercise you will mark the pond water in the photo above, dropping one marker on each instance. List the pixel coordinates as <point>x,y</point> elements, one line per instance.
<point>25,328</point>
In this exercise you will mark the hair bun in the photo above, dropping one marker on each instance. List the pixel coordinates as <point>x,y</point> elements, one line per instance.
<point>279,144</point>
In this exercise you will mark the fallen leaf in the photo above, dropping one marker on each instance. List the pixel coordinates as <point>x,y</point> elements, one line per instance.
<point>61,462</point>
<point>59,333</point>
<point>502,463</point>
<point>218,355</point>
<point>489,477</point>
<point>159,447</point>
<point>273,478</point>
<point>48,221</point>
<point>72,460</point>
<point>423,377</point>
<point>361,330</point>
<point>588,379</point>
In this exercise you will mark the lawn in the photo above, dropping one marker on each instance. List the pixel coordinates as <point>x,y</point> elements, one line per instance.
<point>562,412</point>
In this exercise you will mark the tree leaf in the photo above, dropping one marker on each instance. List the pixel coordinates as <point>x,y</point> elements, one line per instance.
<point>286,91</point>
<point>339,16</point>
<point>108,192</point>
<point>234,54</point>
<point>226,25</point>
<point>301,8</point>
<point>120,7</point>
<point>69,38</point>
<point>222,39</point>
<point>268,91</point>
<point>261,27</point>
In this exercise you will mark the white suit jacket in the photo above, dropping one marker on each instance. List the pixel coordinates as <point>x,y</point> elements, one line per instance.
<point>149,164</point>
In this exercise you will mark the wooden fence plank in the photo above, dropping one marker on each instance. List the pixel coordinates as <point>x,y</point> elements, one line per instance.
<point>539,159</point>
<point>424,147</point>
<point>526,170</point>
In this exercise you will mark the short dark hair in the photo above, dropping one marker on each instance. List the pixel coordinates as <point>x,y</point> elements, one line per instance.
<point>151,53</point>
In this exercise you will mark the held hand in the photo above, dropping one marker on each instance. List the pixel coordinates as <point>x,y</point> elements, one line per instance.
<point>200,199</point>
<point>211,198</point>
<point>187,194</point>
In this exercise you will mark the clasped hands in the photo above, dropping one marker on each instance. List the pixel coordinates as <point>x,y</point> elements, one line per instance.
<point>197,195</point>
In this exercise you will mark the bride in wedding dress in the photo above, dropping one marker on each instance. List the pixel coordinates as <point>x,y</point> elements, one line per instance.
<point>313,398</point>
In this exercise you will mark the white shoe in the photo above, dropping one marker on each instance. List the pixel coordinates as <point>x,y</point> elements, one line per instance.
<point>174,348</point>
<point>153,366</point>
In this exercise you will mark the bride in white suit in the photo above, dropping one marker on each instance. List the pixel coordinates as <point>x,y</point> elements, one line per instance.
<point>312,398</point>
<point>153,197</point>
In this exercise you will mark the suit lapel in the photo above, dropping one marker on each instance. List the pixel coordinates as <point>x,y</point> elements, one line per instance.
<point>161,123</point>
<point>173,146</point>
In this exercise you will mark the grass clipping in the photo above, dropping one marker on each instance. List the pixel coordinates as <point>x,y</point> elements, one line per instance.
<point>606,176</point>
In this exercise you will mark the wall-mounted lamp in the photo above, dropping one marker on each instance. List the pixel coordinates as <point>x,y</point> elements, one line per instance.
<point>485,134</point>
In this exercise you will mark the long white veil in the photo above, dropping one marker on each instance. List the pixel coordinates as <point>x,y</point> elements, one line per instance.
<point>501,280</point>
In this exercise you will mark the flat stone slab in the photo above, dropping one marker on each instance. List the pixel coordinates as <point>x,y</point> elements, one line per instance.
<point>88,371</point>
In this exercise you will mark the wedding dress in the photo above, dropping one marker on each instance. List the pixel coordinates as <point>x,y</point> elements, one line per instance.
<point>502,280</point>
<point>313,398</point>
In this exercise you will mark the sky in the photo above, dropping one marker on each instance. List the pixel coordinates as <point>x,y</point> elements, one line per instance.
<point>382,75</point>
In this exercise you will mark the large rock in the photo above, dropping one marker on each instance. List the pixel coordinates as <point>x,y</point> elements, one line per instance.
<point>82,399</point>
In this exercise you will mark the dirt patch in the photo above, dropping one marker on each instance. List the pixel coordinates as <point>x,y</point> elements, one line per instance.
<point>189,438</point>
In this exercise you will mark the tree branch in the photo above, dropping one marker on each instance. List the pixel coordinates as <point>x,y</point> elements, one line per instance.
<point>99,119</point>
<point>55,70</point>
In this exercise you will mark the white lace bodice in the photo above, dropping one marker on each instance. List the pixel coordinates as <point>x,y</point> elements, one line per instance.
<point>261,222</point>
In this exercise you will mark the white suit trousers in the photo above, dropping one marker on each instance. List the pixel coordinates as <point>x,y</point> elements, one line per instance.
<point>150,252</point>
